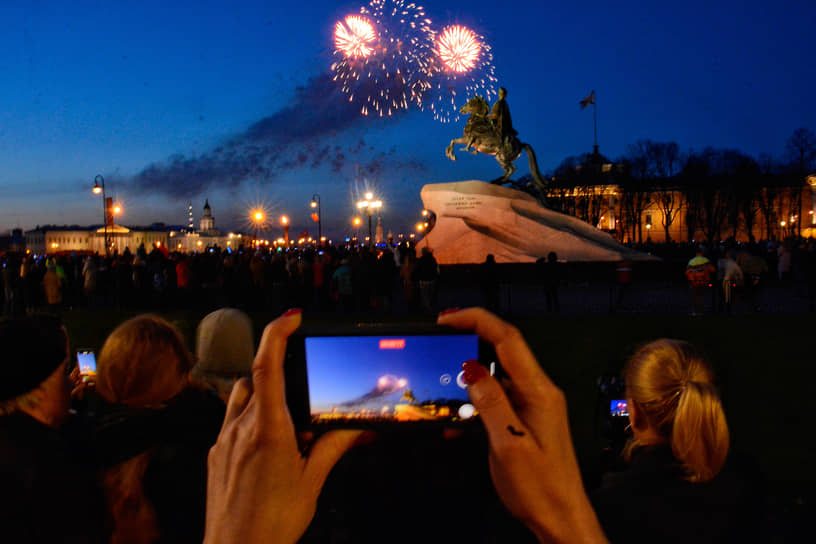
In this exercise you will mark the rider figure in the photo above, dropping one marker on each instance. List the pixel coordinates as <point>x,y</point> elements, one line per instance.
<point>500,115</point>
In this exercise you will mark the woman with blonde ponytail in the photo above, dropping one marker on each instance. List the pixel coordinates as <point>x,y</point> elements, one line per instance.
<point>676,487</point>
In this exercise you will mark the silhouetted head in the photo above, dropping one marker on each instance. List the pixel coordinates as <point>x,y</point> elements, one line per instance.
<point>502,92</point>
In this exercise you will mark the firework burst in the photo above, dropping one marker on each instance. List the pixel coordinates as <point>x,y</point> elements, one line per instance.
<point>462,67</point>
<point>458,48</point>
<point>354,37</point>
<point>391,70</point>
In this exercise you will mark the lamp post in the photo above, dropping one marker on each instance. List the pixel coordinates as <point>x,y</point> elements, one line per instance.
<point>285,222</point>
<point>369,206</point>
<point>316,204</point>
<point>99,187</point>
<point>356,221</point>
<point>257,221</point>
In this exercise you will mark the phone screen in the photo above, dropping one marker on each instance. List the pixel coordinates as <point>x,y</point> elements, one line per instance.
<point>386,379</point>
<point>86,360</point>
<point>619,408</point>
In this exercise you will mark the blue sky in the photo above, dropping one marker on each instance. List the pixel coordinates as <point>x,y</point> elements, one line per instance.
<point>112,88</point>
<point>341,369</point>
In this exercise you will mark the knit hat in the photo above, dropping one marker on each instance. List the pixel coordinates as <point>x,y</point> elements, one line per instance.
<point>33,348</point>
<point>224,344</point>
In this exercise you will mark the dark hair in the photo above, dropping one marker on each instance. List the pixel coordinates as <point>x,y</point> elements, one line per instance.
<point>33,348</point>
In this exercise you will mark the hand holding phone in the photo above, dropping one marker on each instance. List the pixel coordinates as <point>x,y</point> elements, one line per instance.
<point>259,482</point>
<point>86,362</point>
<point>407,376</point>
<point>532,461</point>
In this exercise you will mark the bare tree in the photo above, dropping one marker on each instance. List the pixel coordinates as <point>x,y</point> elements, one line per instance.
<point>664,159</point>
<point>747,192</point>
<point>801,148</point>
<point>636,185</point>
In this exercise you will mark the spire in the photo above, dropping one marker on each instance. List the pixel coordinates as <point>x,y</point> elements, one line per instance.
<point>206,203</point>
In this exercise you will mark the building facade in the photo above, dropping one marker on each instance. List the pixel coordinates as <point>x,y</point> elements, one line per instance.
<point>51,239</point>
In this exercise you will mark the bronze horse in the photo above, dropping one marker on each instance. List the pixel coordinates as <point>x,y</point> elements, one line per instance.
<point>481,136</point>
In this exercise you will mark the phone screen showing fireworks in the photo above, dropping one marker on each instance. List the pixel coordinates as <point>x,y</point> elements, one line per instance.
<point>388,379</point>
<point>619,408</point>
<point>86,360</point>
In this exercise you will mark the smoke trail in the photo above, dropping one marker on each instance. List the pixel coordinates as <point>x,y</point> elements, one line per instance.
<point>386,385</point>
<point>291,138</point>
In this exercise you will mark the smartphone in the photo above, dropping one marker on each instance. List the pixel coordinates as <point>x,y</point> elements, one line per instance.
<point>618,408</point>
<point>86,360</point>
<point>376,376</point>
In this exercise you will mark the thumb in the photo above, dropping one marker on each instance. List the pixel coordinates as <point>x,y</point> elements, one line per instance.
<point>492,403</point>
<point>325,453</point>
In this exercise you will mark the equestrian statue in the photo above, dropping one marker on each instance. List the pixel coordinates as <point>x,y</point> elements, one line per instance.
<point>493,134</point>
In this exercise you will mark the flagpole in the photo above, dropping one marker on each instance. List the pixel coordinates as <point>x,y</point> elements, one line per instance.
<point>595,121</point>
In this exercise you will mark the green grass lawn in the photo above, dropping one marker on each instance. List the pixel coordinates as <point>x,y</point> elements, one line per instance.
<point>764,363</point>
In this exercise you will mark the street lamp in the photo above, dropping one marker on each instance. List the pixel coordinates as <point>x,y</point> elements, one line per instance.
<point>316,204</point>
<point>369,206</point>
<point>257,218</point>
<point>285,222</point>
<point>356,221</point>
<point>99,187</point>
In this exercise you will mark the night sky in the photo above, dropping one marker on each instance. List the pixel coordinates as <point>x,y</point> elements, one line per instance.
<point>341,369</point>
<point>153,95</point>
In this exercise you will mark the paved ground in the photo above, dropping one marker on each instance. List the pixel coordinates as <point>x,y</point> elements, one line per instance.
<point>639,298</point>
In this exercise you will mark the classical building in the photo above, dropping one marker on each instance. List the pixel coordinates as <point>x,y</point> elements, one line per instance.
<point>683,209</point>
<point>51,239</point>
<point>207,223</point>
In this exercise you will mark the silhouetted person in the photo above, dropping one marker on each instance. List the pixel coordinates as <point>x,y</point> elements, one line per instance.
<point>48,490</point>
<point>549,272</point>
<point>755,270</point>
<point>489,279</point>
<point>427,274</point>
<point>698,271</point>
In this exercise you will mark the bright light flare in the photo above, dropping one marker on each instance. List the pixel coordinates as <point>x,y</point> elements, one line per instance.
<point>459,48</point>
<point>355,37</point>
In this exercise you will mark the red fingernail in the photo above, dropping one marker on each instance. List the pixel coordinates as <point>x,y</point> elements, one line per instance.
<point>474,372</point>
<point>293,311</point>
<point>448,311</point>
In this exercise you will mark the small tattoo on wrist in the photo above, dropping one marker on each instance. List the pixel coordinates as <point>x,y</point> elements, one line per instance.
<point>514,432</point>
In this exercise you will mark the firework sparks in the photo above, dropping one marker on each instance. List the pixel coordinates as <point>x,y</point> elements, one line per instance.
<point>458,48</point>
<point>355,36</point>
<point>462,67</point>
<point>395,71</point>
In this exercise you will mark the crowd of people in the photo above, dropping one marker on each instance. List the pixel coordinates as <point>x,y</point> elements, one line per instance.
<point>350,279</point>
<point>160,445</point>
<point>379,279</point>
<point>732,270</point>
